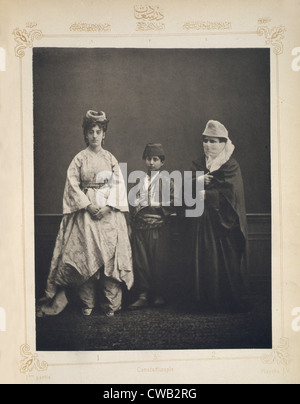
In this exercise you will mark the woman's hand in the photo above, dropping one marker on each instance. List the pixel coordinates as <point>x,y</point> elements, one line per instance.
<point>92,209</point>
<point>202,195</point>
<point>208,179</point>
<point>102,212</point>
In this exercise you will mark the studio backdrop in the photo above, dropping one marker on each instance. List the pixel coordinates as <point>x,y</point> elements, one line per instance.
<point>152,95</point>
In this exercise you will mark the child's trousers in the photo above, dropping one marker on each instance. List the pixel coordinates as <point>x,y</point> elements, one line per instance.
<point>151,252</point>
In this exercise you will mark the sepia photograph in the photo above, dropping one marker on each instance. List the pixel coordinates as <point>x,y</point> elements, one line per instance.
<point>152,199</point>
<point>149,199</point>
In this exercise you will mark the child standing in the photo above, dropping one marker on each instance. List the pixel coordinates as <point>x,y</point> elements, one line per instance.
<point>151,231</point>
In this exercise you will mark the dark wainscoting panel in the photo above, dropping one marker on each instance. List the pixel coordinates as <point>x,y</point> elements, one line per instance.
<point>260,248</point>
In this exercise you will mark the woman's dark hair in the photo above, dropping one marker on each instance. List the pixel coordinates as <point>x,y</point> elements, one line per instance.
<point>89,124</point>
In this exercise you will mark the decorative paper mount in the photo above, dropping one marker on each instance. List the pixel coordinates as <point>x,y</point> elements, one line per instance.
<point>26,38</point>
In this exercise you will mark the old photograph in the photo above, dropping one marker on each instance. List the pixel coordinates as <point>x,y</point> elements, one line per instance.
<point>152,181</point>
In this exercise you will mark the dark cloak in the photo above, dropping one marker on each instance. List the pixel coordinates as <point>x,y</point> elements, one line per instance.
<point>217,242</point>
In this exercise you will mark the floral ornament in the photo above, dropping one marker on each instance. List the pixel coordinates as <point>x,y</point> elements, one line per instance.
<point>30,361</point>
<point>279,355</point>
<point>274,37</point>
<point>25,39</point>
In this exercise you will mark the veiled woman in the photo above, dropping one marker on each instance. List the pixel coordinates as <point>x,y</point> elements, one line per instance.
<point>217,241</point>
<point>93,239</point>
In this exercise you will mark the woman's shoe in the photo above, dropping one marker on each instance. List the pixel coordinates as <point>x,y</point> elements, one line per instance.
<point>141,303</point>
<point>110,314</point>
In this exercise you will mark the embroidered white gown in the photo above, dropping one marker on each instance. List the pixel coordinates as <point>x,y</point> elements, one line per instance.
<point>85,245</point>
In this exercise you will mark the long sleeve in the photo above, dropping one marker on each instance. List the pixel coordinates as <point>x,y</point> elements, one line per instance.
<point>118,195</point>
<point>74,198</point>
<point>219,194</point>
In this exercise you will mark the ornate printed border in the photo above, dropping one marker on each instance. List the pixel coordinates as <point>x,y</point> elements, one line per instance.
<point>274,37</point>
<point>83,27</point>
<point>279,355</point>
<point>207,26</point>
<point>25,39</point>
<point>30,361</point>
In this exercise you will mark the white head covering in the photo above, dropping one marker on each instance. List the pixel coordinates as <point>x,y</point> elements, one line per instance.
<point>217,130</point>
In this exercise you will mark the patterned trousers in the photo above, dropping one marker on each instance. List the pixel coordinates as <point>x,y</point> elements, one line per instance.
<point>112,294</point>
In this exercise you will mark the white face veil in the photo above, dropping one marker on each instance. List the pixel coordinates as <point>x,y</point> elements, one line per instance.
<point>214,161</point>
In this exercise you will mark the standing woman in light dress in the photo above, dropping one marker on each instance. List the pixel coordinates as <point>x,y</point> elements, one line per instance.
<point>93,240</point>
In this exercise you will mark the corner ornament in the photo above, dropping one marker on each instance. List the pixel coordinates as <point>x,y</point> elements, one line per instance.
<point>279,355</point>
<point>274,37</point>
<point>25,39</point>
<point>31,361</point>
